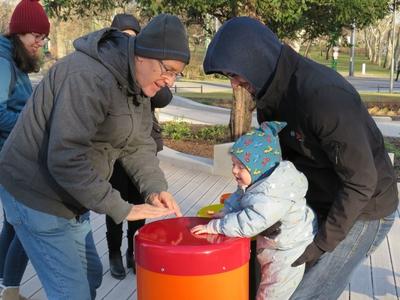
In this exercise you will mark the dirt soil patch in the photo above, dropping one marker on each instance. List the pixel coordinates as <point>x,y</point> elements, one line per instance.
<point>197,148</point>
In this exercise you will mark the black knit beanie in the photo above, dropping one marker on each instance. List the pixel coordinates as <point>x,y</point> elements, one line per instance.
<point>126,21</point>
<point>164,37</point>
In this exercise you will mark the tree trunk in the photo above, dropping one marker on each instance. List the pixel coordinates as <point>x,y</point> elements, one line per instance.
<point>308,48</point>
<point>396,49</point>
<point>388,56</point>
<point>54,43</point>
<point>368,43</point>
<point>241,113</point>
<point>328,48</point>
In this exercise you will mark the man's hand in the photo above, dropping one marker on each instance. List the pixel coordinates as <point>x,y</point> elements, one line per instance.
<point>145,211</point>
<point>273,231</point>
<point>166,200</point>
<point>310,256</point>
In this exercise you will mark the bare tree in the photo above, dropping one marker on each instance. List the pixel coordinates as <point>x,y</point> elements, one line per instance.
<point>5,15</point>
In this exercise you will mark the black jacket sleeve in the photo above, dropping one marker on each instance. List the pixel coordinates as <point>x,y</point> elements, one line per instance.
<point>342,127</point>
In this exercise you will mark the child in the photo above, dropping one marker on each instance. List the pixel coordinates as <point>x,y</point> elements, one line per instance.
<point>269,190</point>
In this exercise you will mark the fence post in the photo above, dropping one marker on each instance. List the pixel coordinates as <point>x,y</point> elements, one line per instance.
<point>363,68</point>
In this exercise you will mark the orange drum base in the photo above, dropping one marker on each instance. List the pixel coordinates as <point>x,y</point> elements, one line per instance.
<point>232,285</point>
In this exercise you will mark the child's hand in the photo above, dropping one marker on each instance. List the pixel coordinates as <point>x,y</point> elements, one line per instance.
<point>201,229</point>
<point>218,215</point>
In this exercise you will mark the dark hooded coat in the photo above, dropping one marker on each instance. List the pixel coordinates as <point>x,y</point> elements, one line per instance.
<point>330,136</point>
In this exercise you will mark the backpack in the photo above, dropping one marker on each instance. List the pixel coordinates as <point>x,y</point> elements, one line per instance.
<point>13,76</point>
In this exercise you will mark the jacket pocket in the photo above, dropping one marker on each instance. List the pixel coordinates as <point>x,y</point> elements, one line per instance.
<point>335,152</point>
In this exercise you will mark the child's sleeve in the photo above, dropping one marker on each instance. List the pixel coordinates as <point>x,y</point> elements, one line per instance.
<point>232,204</point>
<point>253,219</point>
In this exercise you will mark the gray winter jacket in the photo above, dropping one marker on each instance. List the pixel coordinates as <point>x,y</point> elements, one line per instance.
<point>86,113</point>
<point>278,197</point>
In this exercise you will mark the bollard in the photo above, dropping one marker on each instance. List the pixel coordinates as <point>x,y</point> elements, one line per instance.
<point>174,264</point>
<point>363,68</point>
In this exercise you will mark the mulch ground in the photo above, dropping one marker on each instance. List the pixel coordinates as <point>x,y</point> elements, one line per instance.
<point>198,148</point>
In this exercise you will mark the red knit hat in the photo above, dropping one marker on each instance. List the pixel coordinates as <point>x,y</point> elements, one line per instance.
<point>29,16</point>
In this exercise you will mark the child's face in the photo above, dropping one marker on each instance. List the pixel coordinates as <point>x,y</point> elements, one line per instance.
<point>242,175</point>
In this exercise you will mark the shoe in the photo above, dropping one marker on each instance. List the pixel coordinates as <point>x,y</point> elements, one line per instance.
<point>130,260</point>
<point>117,269</point>
<point>11,293</point>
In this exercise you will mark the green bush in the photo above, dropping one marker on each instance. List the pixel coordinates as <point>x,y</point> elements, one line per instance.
<point>176,130</point>
<point>181,130</point>
<point>212,133</point>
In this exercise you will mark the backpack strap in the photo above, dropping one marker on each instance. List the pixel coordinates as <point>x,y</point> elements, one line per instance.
<point>13,76</point>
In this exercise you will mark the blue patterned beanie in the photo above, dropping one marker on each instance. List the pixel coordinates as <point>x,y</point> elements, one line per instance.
<point>259,150</point>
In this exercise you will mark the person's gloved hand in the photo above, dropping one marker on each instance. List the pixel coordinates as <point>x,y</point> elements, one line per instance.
<point>310,256</point>
<point>273,231</point>
<point>207,228</point>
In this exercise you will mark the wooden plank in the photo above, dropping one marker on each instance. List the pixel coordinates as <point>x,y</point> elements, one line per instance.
<point>361,281</point>
<point>394,248</point>
<point>168,169</point>
<point>174,186</point>
<point>211,196</point>
<point>123,289</point>
<point>382,273</point>
<point>346,294</point>
<point>194,190</point>
<point>197,192</point>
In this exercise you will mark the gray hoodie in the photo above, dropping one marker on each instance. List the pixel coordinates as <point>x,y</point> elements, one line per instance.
<point>86,113</point>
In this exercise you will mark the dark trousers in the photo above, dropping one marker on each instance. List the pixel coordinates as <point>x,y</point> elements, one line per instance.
<point>254,271</point>
<point>13,259</point>
<point>121,182</point>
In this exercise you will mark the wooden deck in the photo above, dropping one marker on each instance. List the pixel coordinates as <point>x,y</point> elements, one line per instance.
<point>377,278</point>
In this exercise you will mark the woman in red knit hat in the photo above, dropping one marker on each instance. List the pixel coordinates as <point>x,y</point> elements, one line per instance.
<point>19,55</point>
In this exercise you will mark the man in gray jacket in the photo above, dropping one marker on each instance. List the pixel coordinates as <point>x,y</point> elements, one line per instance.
<point>91,109</point>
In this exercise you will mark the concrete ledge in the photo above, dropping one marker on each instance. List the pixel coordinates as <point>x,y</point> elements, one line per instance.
<point>222,160</point>
<point>186,161</point>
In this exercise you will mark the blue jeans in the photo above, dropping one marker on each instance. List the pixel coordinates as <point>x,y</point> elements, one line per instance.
<point>62,251</point>
<point>13,259</point>
<point>329,277</point>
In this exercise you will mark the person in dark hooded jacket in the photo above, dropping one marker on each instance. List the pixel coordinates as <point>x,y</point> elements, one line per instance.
<point>120,179</point>
<point>91,109</point>
<point>329,136</point>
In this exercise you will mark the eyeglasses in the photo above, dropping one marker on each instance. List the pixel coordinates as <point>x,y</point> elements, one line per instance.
<point>169,73</point>
<point>40,37</point>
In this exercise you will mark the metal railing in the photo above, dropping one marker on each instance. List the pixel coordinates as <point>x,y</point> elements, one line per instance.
<point>175,88</point>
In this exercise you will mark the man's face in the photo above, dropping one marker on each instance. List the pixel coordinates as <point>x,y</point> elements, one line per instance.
<point>152,74</point>
<point>130,32</point>
<point>237,81</point>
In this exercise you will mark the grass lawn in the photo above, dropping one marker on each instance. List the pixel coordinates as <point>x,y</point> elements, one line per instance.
<point>380,97</point>
<point>372,70</point>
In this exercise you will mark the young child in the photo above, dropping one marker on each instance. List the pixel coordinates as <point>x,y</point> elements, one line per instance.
<point>269,190</point>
